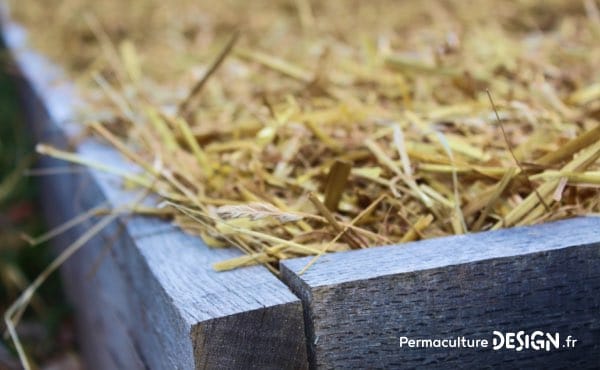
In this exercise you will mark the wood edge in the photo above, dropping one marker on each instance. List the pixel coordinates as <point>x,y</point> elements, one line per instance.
<point>336,264</point>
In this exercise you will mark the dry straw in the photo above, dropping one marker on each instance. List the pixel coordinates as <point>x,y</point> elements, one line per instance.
<point>292,128</point>
<point>305,116</point>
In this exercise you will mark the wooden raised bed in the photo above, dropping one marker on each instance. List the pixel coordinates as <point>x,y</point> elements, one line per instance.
<point>147,297</point>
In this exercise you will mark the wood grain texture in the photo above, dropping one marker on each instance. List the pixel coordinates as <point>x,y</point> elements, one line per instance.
<point>547,277</point>
<point>145,294</point>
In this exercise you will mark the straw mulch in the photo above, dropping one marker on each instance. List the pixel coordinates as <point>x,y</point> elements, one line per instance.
<point>292,128</point>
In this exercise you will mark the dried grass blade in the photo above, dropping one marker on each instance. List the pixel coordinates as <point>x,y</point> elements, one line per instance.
<point>191,141</point>
<point>569,149</point>
<point>256,211</point>
<point>494,197</point>
<point>336,184</point>
<point>458,219</point>
<point>79,219</point>
<point>347,236</point>
<point>416,230</point>
<point>276,64</point>
<point>77,159</point>
<point>185,106</point>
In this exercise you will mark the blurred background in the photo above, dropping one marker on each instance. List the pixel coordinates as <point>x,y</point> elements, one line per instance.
<point>47,330</point>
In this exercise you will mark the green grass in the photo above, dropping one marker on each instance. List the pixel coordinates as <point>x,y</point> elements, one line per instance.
<point>20,213</point>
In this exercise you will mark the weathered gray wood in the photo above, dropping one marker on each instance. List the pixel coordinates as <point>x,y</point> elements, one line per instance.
<point>547,277</point>
<point>145,294</point>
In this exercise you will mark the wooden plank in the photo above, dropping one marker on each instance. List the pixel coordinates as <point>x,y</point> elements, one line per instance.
<point>547,277</point>
<point>145,294</point>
